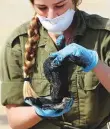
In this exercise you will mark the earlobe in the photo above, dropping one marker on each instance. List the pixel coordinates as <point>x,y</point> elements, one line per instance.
<point>73,6</point>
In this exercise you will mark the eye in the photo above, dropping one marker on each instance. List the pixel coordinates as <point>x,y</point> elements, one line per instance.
<point>42,8</point>
<point>60,6</point>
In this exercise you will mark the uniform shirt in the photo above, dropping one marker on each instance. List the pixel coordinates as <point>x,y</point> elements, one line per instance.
<point>91,101</point>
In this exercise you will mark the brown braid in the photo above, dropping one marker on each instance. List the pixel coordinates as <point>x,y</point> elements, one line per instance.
<point>29,57</point>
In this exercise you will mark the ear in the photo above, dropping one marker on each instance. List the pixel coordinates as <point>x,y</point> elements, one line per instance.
<point>33,6</point>
<point>73,4</point>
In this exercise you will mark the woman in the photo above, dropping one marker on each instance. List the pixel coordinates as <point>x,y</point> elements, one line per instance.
<point>87,43</point>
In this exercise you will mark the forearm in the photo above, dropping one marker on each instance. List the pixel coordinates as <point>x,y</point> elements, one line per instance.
<point>22,117</point>
<point>102,71</point>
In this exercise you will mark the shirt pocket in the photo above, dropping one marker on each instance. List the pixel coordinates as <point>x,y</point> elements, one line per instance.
<point>42,55</point>
<point>97,99</point>
<point>90,81</point>
<point>41,86</point>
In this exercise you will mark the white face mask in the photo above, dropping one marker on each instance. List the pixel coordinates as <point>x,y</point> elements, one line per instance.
<point>59,24</point>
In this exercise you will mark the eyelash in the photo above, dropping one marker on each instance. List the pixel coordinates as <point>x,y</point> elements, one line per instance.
<point>44,8</point>
<point>60,6</point>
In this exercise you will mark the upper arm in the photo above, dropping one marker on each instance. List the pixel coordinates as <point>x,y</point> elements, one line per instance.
<point>11,73</point>
<point>10,106</point>
<point>105,46</point>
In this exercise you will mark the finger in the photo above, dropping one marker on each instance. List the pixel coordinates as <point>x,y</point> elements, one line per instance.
<point>59,40</point>
<point>39,111</point>
<point>57,61</point>
<point>44,113</point>
<point>28,101</point>
<point>69,104</point>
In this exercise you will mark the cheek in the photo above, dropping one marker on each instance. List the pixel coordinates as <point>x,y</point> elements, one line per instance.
<point>64,9</point>
<point>42,13</point>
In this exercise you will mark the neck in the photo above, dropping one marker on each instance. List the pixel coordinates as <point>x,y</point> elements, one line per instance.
<point>69,34</point>
<point>53,36</point>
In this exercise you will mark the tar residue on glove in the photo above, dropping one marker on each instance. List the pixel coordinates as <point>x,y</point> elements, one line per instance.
<point>58,77</point>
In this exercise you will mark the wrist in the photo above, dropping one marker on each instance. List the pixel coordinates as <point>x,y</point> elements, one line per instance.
<point>37,115</point>
<point>93,61</point>
<point>97,68</point>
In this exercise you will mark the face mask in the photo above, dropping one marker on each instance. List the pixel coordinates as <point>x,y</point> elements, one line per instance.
<point>59,24</point>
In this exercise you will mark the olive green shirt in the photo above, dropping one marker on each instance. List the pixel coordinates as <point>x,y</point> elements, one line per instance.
<point>91,101</point>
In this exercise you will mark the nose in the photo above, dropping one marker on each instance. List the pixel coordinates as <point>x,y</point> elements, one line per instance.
<point>51,13</point>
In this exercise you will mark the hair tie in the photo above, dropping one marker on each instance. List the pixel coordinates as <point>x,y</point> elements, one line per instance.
<point>27,79</point>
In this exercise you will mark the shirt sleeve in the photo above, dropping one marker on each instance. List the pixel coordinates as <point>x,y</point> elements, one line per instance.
<point>105,46</point>
<point>11,74</point>
<point>107,59</point>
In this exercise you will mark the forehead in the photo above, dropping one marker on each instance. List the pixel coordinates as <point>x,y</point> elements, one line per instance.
<point>47,1</point>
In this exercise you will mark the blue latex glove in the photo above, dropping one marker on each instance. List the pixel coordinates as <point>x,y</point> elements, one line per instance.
<point>60,42</point>
<point>81,56</point>
<point>55,110</point>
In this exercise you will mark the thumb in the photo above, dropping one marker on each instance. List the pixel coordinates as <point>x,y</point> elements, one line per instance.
<point>28,101</point>
<point>55,54</point>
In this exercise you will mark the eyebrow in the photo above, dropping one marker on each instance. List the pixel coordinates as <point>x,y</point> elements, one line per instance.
<point>60,2</point>
<point>53,4</point>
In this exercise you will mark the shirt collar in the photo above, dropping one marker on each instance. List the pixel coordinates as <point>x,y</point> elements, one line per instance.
<point>80,23</point>
<point>46,41</point>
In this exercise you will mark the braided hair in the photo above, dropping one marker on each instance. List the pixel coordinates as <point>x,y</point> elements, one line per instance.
<point>29,57</point>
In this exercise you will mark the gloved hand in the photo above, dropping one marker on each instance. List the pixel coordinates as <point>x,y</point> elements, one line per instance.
<point>45,108</point>
<point>81,56</point>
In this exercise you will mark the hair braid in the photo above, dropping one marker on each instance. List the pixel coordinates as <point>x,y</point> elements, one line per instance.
<point>29,57</point>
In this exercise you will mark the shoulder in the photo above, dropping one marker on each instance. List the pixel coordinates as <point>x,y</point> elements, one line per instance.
<point>95,21</point>
<point>19,31</point>
<point>14,45</point>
